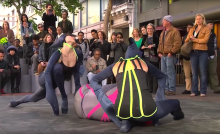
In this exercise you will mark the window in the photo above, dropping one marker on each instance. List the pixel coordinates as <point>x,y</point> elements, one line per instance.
<point>104,6</point>
<point>149,4</point>
<point>13,18</point>
<point>84,14</point>
<point>119,2</point>
<point>76,21</point>
<point>93,11</point>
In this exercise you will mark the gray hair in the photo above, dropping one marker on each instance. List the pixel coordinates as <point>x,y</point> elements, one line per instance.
<point>150,24</point>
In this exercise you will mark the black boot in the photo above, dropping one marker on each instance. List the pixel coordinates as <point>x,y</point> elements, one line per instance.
<point>178,114</point>
<point>17,90</point>
<point>12,90</point>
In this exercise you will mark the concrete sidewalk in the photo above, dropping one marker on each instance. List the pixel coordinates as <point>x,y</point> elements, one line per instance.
<point>202,116</point>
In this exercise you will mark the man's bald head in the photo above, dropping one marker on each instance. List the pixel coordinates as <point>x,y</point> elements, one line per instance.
<point>70,39</point>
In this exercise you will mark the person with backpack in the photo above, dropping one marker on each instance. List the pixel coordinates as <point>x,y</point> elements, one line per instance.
<point>26,29</point>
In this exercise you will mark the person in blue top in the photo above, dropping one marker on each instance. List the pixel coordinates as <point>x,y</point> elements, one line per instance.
<point>134,104</point>
<point>26,29</point>
<point>62,64</point>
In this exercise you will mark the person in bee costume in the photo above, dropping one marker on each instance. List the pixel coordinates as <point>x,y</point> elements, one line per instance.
<point>62,64</point>
<point>134,103</point>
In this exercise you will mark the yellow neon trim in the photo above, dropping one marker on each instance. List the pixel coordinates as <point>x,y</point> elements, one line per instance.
<point>122,92</point>
<point>139,92</point>
<point>129,64</point>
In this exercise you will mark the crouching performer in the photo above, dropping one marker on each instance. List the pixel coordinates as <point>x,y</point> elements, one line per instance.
<point>134,104</point>
<point>62,64</point>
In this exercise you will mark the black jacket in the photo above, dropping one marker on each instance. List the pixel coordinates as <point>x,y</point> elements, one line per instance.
<point>49,21</point>
<point>3,64</point>
<point>20,52</point>
<point>45,52</point>
<point>105,48</point>
<point>155,41</point>
<point>68,26</point>
<point>12,60</point>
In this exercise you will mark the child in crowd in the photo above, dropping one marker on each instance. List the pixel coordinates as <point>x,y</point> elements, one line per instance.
<point>4,72</point>
<point>14,65</point>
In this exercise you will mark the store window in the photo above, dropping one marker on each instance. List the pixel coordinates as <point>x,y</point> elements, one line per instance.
<point>147,5</point>
<point>84,14</point>
<point>104,7</point>
<point>93,11</point>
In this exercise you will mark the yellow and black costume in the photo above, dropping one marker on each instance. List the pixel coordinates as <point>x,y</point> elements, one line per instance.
<point>134,102</point>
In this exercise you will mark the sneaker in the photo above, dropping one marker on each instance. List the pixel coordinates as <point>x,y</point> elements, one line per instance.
<point>170,93</point>
<point>186,92</point>
<point>2,91</point>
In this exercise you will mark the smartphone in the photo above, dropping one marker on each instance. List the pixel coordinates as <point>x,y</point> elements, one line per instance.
<point>97,67</point>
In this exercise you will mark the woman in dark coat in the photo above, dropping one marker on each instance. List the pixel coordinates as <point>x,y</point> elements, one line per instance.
<point>149,48</point>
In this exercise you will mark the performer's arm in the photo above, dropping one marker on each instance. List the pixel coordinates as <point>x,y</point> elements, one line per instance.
<point>161,78</point>
<point>53,60</point>
<point>102,98</point>
<point>76,73</point>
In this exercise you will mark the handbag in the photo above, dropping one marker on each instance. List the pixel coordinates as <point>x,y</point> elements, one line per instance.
<point>186,48</point>
<point>154,58</point>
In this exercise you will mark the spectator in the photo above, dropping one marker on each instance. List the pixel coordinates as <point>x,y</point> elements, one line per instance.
<point>42,32</point>
<point>45,52</point>
<point>19,52</point>
<point>4,72</point>
<point>26,29</point>
<point>112,52</point>
<point>93,40</point>
<point>83,44</point>
<point>33,51</point>
<point>137,35</point>
<point>149,48</point>
<point>169,45</point>
<point>49,17</point>
<point>96,64</point>
<point>212,60</point>
<point>8,33</point>
<point>14,65</point>
<point>143,30</point>
<point>186,65</point>
<point>119,47</point>
<point>52,30</point>
<point>59,33</point>
<point>102,44</point>
<point>66,24</point>
<point>199,34</point>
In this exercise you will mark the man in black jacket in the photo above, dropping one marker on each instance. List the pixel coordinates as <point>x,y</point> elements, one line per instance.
<point>49,17</point>
<point>4,73</point>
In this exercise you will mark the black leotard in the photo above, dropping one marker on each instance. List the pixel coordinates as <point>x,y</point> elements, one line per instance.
<point>134,88</point>
<point>67,71</point>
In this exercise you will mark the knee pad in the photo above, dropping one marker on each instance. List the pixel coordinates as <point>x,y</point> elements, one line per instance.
<point>86,104</point>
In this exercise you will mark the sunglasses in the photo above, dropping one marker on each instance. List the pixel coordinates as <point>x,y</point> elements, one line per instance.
<point>39,27</point>
<point>119,37</point>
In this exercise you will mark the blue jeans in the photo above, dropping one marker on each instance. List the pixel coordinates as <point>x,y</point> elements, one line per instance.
<point>199,61</point>
<point>168,68</point>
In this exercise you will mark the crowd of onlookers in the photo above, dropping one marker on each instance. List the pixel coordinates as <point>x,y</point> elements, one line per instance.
<point>98,53</point>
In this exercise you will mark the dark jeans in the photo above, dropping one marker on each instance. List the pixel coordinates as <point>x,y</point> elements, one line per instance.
<point>4,77</point>
<point>164,108</point>
<point>151,80</point>
<point>199,61</point>
<point>17,77</point>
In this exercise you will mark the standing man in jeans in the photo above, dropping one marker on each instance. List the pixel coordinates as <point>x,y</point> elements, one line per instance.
<point>212,60</point>
<point>169,45</point>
